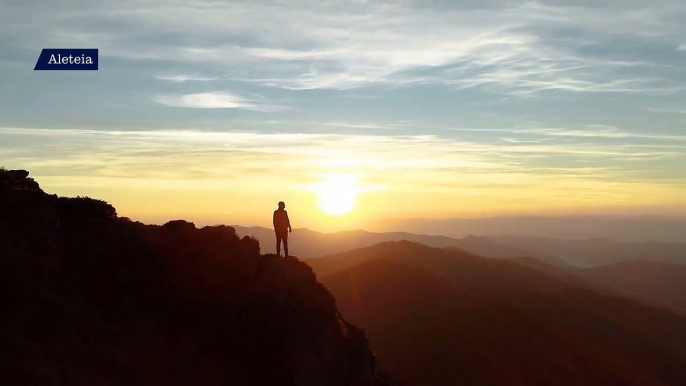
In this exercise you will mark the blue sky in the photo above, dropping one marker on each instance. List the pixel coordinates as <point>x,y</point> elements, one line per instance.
<point>580,100</point>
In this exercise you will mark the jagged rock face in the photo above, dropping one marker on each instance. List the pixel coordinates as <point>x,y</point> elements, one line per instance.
<point>92,298</point>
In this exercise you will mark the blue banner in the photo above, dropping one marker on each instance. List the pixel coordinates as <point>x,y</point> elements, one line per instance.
<point>68,59</point>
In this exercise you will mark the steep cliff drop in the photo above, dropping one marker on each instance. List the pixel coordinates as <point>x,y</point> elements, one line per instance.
<point>91,298</point>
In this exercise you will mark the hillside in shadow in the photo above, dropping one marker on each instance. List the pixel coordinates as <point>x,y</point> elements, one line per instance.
<point>594,264</point>
<point>447,317</point>
<point>91,298</point>
<point>648,282</point>
<point>661,283</point>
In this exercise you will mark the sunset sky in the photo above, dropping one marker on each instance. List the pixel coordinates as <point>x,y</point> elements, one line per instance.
<point>351,111</point>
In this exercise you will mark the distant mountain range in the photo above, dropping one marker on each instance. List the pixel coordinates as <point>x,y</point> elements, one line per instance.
<point>654,272</point>
<point>614,227</point>
<point>444,316</point>
<point>556,252</point>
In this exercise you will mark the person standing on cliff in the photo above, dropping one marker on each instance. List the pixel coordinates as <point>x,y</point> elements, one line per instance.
<point>282,225</point>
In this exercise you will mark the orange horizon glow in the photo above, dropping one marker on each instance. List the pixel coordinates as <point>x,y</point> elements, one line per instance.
<point>330,182</point>
<point>332,203</point>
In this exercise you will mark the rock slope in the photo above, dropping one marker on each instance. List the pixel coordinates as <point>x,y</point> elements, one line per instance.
<point>93,298</point>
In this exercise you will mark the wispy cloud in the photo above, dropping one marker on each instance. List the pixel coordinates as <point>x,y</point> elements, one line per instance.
<point>663,110</point>
<point>521,48</point>
<point>371,126</point>
<point>236,166</point>
<point>376,152</point>
<point>180,78</point>
<point>601,131</point>
<point>214,100</point>
<point>589,131</point>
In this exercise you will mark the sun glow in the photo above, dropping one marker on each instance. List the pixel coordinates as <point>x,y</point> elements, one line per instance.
<point>337,194</point>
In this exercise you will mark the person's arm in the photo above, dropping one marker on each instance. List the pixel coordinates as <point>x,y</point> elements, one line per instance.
<point>288,221</point>
<point>274,220</point>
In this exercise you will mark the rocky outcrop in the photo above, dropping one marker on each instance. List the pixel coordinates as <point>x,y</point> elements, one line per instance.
<point>17,180</point>
<point>92,298</point>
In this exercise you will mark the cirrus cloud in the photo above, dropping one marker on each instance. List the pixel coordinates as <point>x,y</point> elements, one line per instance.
<point>518,48</point>
<point>213,100</point>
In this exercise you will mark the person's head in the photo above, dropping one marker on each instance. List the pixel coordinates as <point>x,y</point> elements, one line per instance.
<point>282,205</point>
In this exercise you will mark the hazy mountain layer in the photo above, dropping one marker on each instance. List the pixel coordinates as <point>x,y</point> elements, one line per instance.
<point>556,252</point>
<point>571,261</point>
<point>621,228</point>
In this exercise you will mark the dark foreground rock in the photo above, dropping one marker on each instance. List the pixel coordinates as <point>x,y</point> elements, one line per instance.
<point>90,298</point>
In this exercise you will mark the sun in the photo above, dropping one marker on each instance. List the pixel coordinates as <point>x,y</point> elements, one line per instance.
<point>337,194</point>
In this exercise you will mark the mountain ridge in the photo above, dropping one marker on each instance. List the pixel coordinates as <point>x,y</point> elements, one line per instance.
<point>665,228</point>
<point>544,334</point>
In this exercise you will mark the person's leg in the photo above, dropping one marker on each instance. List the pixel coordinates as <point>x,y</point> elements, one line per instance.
<point>278,244</point>
<point>285,243</point>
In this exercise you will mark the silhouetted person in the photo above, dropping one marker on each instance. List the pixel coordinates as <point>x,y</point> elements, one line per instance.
<point>282,225</point>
